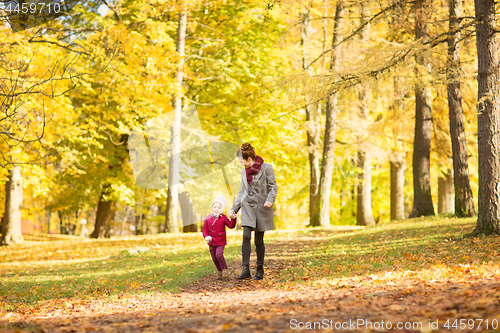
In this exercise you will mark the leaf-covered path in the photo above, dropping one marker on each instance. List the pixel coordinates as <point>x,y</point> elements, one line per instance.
<point>464,297</point>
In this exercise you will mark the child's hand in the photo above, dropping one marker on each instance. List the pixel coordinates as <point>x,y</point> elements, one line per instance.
<point>208,239</point>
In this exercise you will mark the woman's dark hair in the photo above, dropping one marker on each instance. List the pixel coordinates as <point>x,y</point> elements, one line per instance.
<point>246,151</point>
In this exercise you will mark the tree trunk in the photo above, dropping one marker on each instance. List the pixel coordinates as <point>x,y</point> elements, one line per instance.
<point>320,216</point>
<point>422,204</point>
<point>48,214</point>
<point>110,221</point>
<point>139,225</point>
<point>325,34</point>
<point>464,204</point>
<point>124,220</point>
<point>62,229</point>
<point>399,208</point>
<point>488,219</point>
<point>11,222</point>
<point>446,194</point>
<point>364,214</point>
<point>102,214</point>
<point>104,207</point>
<point>398,169</point>
<point>171,219</point>
<point>72,226</point>
<point>312,119</point>
<point>352,193</point>
<point>188,214</point>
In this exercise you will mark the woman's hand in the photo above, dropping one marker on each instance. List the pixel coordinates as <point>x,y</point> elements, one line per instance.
<point>268,204</point>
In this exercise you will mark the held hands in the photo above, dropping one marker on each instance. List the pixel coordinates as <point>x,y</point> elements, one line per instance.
<point>232,215</point>
<point>208,239</point>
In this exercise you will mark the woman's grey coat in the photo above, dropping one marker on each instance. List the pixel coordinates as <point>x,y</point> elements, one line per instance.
<point>252,198</point>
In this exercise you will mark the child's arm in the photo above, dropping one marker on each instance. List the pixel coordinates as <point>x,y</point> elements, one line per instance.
<point>207,237</point>
<point>230,223</point>
<point>205,229</point>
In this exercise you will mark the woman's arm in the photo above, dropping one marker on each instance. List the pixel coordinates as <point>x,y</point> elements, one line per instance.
<point>237,203</point>
<point>272,187</point>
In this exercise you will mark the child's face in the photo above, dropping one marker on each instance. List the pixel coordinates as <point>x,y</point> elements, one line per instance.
<point>216,208</point>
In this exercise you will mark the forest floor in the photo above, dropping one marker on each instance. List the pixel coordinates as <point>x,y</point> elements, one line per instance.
<point>410,276</point>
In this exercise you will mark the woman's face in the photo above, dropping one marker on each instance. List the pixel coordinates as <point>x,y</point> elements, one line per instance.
<point>246,163</point>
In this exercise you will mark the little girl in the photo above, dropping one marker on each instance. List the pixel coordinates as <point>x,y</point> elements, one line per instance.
<point>214,232</point>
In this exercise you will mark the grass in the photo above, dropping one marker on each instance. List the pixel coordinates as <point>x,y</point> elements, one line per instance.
<point>58,268</point>
<point>427,248</point>
<point>46,268</point>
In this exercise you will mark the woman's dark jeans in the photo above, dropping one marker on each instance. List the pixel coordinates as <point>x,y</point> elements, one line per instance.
<point>246,247</point>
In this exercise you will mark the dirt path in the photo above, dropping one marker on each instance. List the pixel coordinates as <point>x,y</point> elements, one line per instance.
<point>210,305</point>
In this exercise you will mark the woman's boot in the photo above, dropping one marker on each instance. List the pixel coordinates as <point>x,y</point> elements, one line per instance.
<point>245,274</point>
<point>259,274</point>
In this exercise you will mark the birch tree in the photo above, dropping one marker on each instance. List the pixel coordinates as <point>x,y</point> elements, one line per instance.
<point>312,116</point>
<point>321,213</point>
<point>171,219</point>
<point>364,214</point>
<point>11,222</point>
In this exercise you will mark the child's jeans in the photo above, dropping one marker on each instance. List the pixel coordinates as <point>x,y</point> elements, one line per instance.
<point>217,253</point>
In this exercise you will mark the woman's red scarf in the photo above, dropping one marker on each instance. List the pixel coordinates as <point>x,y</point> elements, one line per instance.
<point>254,169</point>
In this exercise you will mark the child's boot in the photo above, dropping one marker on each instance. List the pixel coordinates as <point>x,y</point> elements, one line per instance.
<point>245,274</point>
<point>259,274</point>
<point>219,277</point>
<point>225,274</point>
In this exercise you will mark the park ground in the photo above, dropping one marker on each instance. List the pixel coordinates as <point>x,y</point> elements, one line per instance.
<point>417,275</point>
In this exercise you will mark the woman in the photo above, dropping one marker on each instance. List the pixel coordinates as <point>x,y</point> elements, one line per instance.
<point>256,197</point>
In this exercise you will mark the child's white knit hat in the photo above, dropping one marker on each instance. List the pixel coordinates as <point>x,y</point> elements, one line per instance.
<point>220,199</point>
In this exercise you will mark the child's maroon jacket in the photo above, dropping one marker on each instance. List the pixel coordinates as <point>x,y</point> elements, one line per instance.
<point>217,229</point>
